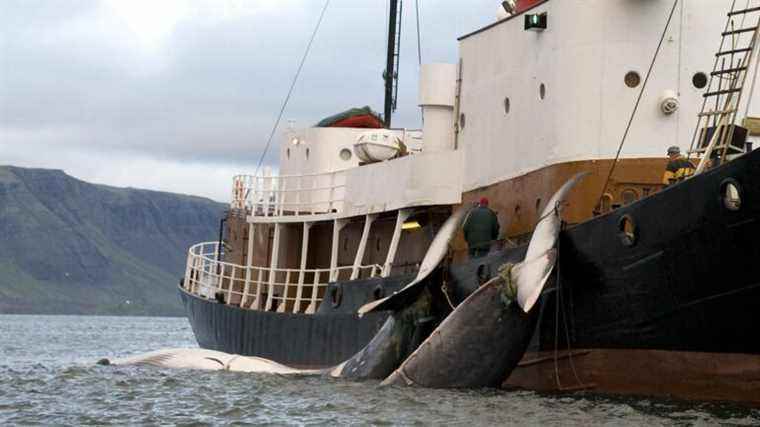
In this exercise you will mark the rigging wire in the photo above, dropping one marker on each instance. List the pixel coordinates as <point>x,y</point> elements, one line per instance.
<point>292,86</point>
<point>638,102</point>
<point>419,41</point>
<point>419,51</point>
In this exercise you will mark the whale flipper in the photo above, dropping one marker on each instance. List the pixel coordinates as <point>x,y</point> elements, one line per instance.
<point>438,249</point>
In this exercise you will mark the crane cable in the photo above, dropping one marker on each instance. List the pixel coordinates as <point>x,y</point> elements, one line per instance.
<point>419,51</point>
<point>638,101</point>
<point>292,86</point>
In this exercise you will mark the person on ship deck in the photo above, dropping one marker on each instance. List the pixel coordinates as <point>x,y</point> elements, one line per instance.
<point>481,228</point>
<point>678,168</point>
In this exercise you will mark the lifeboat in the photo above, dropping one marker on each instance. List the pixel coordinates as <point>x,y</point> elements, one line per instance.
<point>377,146</point>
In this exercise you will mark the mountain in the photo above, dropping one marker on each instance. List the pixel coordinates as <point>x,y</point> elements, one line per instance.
<point>71,247</point>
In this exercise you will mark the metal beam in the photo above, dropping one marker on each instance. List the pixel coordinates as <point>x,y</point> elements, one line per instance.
<point>369,219</point>
<point>403,215</point>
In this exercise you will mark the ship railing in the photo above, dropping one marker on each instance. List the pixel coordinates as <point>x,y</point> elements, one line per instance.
<point>267,195</point>
<point>283,290</point>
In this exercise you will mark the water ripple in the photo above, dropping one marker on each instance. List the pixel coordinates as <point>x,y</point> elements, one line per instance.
<point>47,376</point>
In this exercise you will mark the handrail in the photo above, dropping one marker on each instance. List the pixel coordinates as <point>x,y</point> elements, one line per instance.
<point>260,288</point>
<point>289,195</point>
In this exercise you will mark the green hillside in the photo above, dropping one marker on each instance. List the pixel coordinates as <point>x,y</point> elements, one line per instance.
<point>71,247</point>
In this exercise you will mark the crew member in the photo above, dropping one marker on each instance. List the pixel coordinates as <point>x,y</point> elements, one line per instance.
<point>678,168</point>
<point>481,228</point>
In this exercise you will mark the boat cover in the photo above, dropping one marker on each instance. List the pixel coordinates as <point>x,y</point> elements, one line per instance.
<point>362,117</point>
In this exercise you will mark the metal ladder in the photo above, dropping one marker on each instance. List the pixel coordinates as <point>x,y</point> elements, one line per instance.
<point>716,121</point>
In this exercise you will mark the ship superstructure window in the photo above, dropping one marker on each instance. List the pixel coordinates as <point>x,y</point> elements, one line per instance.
<point>542,91</point>
<point>699,80</point>
<point>345,154</point>
<point>287,152</point>
<point>632,79</point>
<point>462,120</point>
<point>506,105</point>
<point>536,21</point>
<point>307,153</point>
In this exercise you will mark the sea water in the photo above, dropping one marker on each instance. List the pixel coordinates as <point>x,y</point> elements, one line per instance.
<point>48,376</point>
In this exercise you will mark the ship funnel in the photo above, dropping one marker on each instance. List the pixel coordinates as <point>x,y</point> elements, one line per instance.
<point>437,95</point>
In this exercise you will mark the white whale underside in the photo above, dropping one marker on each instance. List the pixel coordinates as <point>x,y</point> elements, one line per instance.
<point>210,360</point>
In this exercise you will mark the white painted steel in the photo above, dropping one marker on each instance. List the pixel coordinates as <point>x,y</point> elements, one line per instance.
<point>338,225</point>
<point>248,264</point>
<point>299,196</point>
<point>368,220</point>
<point>424,179</point>
<point>437,96</point>
<point>401,216</point>
<point>207,276</point>
<point>275,260</point>
<point>304,256</point>
<point>582,58</point>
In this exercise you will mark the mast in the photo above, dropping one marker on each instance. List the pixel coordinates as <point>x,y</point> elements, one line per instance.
<point>391,69</point>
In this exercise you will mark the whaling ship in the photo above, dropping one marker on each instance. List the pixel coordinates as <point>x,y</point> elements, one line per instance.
<point>656,289</point>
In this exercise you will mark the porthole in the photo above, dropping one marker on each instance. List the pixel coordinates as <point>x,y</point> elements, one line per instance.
<point>699,80</point>
<point>629,196</point>
<point>462,121</point>
<point>345,154</point>
<point>542,91</point>
<point>506,105</point>
<point>336,295</point>
<point>627,230</point>
<point>632,79</point>
<point>378,292</point>
<point>731,195</point>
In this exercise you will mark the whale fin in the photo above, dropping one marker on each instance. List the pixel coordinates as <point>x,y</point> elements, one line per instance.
<point>543,240</point>
<point>436,252</point>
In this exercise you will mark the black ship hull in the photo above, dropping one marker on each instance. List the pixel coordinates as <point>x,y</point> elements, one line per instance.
<point>676,273</point>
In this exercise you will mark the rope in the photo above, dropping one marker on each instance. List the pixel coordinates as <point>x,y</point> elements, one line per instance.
<point>638,101</point>
<point>564,318</point>
<point>292,86</point>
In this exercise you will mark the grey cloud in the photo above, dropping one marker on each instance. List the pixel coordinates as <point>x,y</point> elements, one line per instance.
<point>211,93</point>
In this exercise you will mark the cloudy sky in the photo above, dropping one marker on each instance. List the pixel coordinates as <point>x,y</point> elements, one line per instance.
<point>179,95</point>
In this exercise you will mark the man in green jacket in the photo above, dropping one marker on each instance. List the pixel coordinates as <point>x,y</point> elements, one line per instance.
<point>481,228</point>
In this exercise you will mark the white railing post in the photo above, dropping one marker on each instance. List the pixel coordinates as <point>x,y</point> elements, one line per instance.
<point>312,308</point>
<point>338,225</point>
<point>285,289</point>
<point>257,298</point>
<point>403,215</point>
<point>230,284</point>
<point>302,270</point>
<point>368,220</point>
<point>248,264</point>
<point>273,266</point>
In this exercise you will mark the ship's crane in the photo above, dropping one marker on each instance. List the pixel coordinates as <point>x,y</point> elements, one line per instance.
<point>394,51</point>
